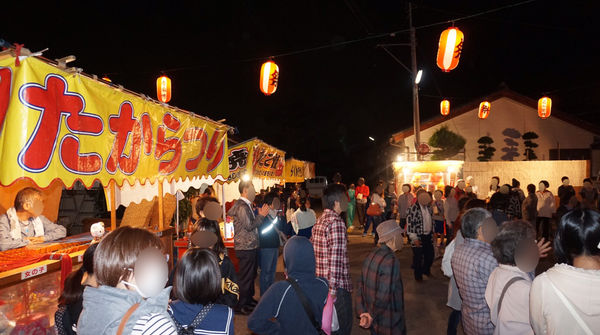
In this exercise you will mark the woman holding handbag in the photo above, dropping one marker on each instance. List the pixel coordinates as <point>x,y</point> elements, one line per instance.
<point>375,211</point>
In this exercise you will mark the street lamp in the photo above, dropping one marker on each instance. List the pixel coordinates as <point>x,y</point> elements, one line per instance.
<point>418,77</point>
<point>371,138</point>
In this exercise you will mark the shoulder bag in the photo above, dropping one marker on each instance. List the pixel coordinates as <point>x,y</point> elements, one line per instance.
<point>306,304</point>
<point>126,318</point>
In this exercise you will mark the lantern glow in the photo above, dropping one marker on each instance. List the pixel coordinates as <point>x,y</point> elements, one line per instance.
<point>484,110</point>
<point>445,107</point>
<point>544,107</point>
<point>449,49</point>
<point>163,89</point>
<point>269,77</point>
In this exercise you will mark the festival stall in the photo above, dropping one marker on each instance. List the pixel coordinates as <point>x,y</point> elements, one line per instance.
<point>59,126</point>
<point>250,160</point>
<point>430,175</point>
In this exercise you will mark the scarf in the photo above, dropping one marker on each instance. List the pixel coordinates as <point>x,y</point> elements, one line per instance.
<point>15,225</point>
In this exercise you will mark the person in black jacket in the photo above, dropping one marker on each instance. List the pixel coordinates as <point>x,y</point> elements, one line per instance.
<point>268,240</point>
<point>71,299</point>
<point>279,310</point>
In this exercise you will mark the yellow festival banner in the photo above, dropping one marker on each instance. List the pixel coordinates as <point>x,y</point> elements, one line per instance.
<point>60,125</point>
<point>257,159</point>
<point>294,170</point>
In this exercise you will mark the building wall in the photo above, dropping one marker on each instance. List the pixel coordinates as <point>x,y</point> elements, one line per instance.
<point>527,172</point>
<point>510,118</point>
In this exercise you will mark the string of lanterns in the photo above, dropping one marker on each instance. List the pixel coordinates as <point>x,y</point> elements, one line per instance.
<point>449,50</point>
<point>544,108</point>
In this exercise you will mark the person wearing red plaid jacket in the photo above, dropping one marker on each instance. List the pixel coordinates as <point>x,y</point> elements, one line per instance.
<point>330,242</point>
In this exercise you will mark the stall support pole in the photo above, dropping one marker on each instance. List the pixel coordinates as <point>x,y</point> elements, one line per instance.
<point>161,209</point>
<point>113,202</point>
<point>223,202</point>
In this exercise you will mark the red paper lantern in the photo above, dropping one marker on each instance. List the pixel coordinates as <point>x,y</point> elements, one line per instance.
<point>544,107</point>
<point>269,77</point>
<point>484,110</point>
<point>449,49</point>
<point>163,89</point>
<point>445,107</point>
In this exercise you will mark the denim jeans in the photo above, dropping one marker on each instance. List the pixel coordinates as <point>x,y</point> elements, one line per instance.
<point>268,266</point>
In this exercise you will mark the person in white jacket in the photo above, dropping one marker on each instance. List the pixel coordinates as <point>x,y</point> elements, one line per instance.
<point>546,207</point>
<point>566,298</point>
<point>507,292</point>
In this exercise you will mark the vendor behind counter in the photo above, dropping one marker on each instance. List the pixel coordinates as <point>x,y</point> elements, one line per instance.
<point>23,224</point>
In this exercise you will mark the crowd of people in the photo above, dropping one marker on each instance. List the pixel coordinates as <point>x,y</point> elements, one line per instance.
<point>490,249</point>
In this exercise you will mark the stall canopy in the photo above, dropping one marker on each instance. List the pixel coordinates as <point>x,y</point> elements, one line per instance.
<point>61,124</point>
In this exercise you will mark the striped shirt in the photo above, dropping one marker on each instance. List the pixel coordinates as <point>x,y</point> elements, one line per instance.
<point>154,324</point>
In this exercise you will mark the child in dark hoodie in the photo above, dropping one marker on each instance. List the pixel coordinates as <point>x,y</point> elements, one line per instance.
<point>279,310</point>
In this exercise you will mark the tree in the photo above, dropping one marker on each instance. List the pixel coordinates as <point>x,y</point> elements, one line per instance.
<point>486,151</point>
<point>448,143</point>
<point>530,145</point>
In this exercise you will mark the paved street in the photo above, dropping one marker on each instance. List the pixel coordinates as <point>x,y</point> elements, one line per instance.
<point>425,303</point>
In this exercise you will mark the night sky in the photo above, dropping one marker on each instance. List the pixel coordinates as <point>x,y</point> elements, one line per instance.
<point>328,101</point>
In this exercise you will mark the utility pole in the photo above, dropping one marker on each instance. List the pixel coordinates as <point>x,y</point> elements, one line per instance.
<point>415,86</point>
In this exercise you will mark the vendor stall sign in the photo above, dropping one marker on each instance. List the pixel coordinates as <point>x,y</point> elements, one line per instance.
<point>255,158</point>
<point>294,170</point>
<point>238,160</point>
<point>56,124</point>
<point>268,162</point>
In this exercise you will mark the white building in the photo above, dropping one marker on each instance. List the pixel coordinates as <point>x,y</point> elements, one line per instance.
<point>561,136</point>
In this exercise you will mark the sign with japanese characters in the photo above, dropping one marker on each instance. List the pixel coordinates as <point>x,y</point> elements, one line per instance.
<point>238,160</point>
<point>36,271</point>
<point>56,124</point>
<point>294,170</point>
<point>268,162</point>
<point>257,159</point>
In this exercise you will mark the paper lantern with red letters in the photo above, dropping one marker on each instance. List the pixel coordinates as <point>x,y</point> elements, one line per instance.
<point>269,77</point>
<point>484,110</point>
<point>445,107</point>
<point>544,107</point>
<point>163,89</point>
<point>449,49</point>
